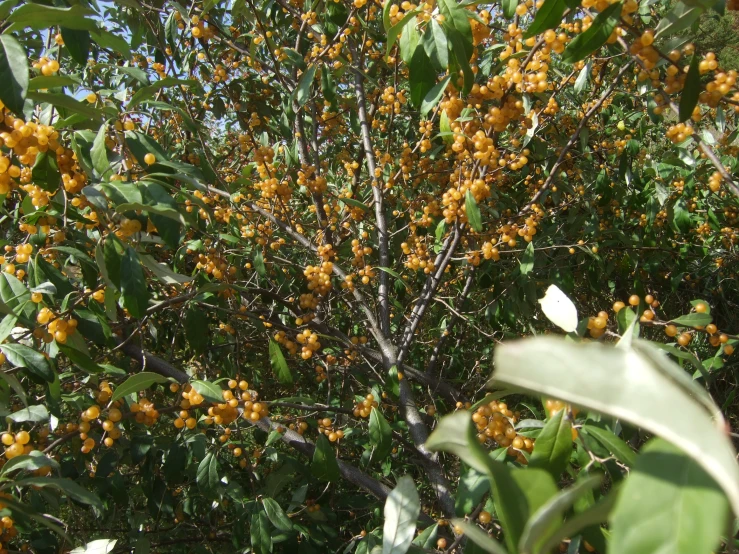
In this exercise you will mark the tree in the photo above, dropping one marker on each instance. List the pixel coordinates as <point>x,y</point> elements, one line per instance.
<point>261,258</point>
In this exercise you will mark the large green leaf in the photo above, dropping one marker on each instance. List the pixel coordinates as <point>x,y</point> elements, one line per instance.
<point>209,391</point>
<point>551,513</point>
<point>98,153</point>
<point>134,289</point>
<point>422,77</point>
<point>197,331</point>
<point>668,504</point>
<point>38,16</point>
<point>409,39</point>
<point>279,364</point>
<point>472,211</point>
<point>29,462</point>
<point>77,42</point>
<point>691,91</point>
<point>66,103</point>
<point>433,96</point>
<point>509,8</point>
<point>436,45</point>
<point>35,362</point>
<point>207,474</point>
<point>31,413</point>
<point>553,446</point>
<point>610,441</point>
<point>302,91</point>
<point>137,383</point>
<point>261,539</point>
<point>381,436</point>
<point>479,537</point>
<point>394,32</point>
<point>277,515</point>
<point>547,17</point>
<point>324,465</point>
<point>402,507</point>
<point>67,486</point>
<point>624,384</point>
<point>13,74</point>
<point>595,36</point>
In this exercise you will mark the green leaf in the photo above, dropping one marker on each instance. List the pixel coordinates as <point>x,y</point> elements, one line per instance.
<point>354,203</point>
<point>596,35</point>
<point>144,93</point>
<point>422,77</point>
<point>394,31</point>
<point>472,486</point>
<point>98,153</point>
<point>106,39</point>
<point>445,128</point>
<point>31,413</point>
<point>328,86</point>
<point>277,515</point>
<point>435,44</point>
<point>209,391</point>
<point>553,446</point>
<point>473,212</point>
<point>552,512</point>
<point>381,436</point>
<point>479,537</point>
<point>691,90</point>
<point>509,8</point>
<point>29,462</point>
<point>386,14</point>
<point>207,474</point>
<point>625,384</point>
<point>109,259</point>
<point>279,365</point>
<point>612,443</point>
<point>163,272</point>
<point>680,17</point>
<point>35,362</point>
<point>15,294</point>
<point>134,290</point>
<point>77,42</point>
<point>324,465</point>
<point>37,16</point>
<point>196,329</point>
<point>409,39</point>
<point>302,91</point>
<point>458,47</point>
<point>80,359</point>
<point>693,320</point>
<point>259,264</point>
<point>261,539</point>
<point>67,486</point>
<point>13,74</point>
<point>547,17</point>
<point>401,512</point>
<point>137,383</point>
<point>526,265</point>
<point>582,78</point>
<point>668,504</point>
<point>433,96</point>
<point>66,102</point>
<point>457,19</point>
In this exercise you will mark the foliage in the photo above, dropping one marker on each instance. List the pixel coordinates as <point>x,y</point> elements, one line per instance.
<point>260,259</point>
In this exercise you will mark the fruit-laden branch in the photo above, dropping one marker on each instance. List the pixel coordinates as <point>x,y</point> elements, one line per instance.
<point>573,140</point>
<point>707,150</point>
<point>289,437</point>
